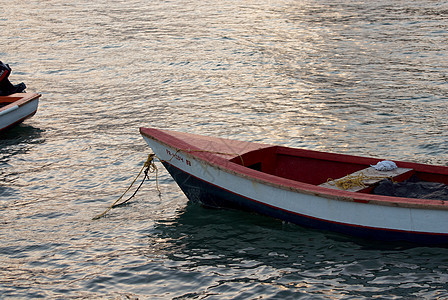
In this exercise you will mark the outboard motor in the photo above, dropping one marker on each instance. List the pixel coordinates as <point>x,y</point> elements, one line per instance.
<point>6,87</point>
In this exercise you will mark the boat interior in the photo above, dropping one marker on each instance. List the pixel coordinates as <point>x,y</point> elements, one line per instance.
<point>6,100</point>
<point>317,168</point>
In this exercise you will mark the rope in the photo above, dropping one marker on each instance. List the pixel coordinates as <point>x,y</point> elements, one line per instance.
<point>148,167</point>
<point>352,181</point>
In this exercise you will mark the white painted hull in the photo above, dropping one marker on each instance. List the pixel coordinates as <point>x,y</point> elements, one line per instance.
<point>15,113</point>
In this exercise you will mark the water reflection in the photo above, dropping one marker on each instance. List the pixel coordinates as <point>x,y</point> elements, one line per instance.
<point>16,141</point>
<point>365,78</point>
<point>19,140</point>
<point>284,255</point>
<point>21,133</point>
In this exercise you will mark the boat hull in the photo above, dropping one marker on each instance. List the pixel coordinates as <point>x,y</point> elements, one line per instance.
<point>18,111</point>
<point>211,184</point>
<point>208,194</point>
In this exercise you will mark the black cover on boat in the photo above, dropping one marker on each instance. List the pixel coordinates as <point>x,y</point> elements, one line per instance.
<point>413,188</point>
<point>6,87</point>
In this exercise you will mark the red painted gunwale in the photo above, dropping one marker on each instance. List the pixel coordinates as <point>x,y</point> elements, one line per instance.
<point>18,99</point>
<point>206,149</point>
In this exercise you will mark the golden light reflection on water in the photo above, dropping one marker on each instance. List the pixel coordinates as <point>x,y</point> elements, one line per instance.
<point>362,78</point>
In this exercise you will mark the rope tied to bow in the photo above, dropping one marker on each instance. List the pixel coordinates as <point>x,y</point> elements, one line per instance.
<point>148,167</point>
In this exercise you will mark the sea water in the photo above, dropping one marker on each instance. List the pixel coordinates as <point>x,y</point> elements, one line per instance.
<point>356,77</point>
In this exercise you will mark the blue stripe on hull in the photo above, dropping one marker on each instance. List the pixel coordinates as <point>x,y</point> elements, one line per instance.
<point>208,194</point>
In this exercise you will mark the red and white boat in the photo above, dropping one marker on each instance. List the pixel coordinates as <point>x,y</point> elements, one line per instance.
<point>16,108</point>
<point>293,185</point>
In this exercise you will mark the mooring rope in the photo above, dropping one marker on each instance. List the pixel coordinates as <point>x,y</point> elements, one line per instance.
<point>148,167</point>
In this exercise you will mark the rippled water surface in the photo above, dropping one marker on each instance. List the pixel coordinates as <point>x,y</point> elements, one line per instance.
<point>357,77</point>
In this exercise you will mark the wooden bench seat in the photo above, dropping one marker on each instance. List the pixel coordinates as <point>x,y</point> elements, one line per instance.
<point>366,178</point>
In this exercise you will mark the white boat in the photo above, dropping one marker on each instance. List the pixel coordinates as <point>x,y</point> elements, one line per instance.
<point>16,108</point>
<point>309,188</point>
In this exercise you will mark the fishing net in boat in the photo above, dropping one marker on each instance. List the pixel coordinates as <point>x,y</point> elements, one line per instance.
<point>414,187</point>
